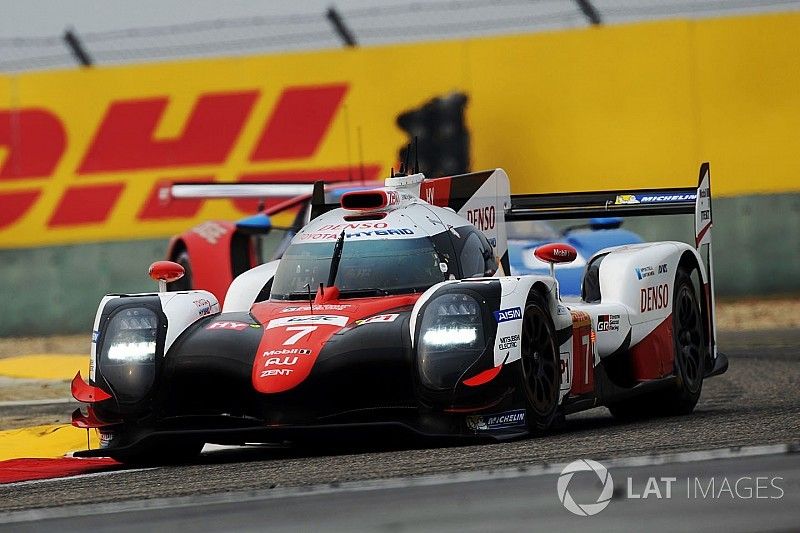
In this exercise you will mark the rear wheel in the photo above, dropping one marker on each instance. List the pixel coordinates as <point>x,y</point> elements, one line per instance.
<point>689,359</point>
<point>690,347</point>
<point>185,283</point>
<point>541,372</point>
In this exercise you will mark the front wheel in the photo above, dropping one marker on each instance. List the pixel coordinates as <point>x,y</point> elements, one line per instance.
<point>541,369</point>
<point>163,452</point>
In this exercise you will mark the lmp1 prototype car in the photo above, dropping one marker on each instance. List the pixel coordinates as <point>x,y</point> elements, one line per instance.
<point>391,311</point>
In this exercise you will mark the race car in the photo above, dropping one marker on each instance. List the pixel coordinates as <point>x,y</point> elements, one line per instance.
<point>393,311</point>
<point>587,239</point>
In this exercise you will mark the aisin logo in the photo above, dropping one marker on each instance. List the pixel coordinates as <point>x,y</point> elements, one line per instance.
<point>586,509</point>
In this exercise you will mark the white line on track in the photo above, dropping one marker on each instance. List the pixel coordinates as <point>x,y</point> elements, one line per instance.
<point>23,403</point>
<point>378,484</point>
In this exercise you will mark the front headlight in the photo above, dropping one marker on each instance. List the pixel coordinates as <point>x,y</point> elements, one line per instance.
<point>128,350</point>
<point>451,338</point>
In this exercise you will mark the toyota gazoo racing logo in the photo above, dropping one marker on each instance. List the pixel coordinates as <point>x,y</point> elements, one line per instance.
<point>591,508</point>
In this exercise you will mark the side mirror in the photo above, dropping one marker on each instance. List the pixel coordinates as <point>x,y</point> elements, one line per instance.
<point>259,224</point>
<point>165,272</point>
<point>605,223</point>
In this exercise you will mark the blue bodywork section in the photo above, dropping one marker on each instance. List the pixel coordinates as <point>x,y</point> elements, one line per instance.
<point>586,241</point>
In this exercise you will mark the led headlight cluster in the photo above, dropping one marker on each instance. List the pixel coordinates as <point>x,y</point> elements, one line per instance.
<point>451,338</point>
<point>128,350</point>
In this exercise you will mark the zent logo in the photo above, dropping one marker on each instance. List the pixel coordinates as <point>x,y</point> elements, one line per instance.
<point>504,315</point>
<point>586,509</point>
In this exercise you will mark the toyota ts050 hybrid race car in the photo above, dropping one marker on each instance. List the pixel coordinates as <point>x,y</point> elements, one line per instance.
<point>392,311</point>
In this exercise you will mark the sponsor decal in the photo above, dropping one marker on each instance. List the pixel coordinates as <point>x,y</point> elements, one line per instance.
<point>705,214</point>
<point>203,306</point>
<point>508,342</point>
<point>666,198</point>
<point>231,325</point>
<point>482,218</point>
<point>378,318</point>
<point>504,315</point>
<point>497,421</point>
<point>564,358</point>
<point>337,228</point>
<point>654,298</point>
<point>287,351</point>
<point>325,236</point>
<point>210,231</point>
<point>608,323</point>
<point>321,307</point>
<point>330,320</point>
<point>276,372</point>
<point>623,199</point>
<point>644,272</point>
<point>562,310</point>
<point>286,361</point>
<point>381,233</point>
<point>95,337</point>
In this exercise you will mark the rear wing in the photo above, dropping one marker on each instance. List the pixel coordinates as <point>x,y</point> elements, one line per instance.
<point>625,203</point>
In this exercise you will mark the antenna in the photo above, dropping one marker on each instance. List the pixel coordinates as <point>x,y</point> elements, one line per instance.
<point>391,173</point>
<point>360,154</point>
<point>405,168</point>
<point>347,143</point>
<point>416,154</point>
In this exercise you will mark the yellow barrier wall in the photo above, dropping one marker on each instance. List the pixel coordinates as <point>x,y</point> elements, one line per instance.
<point>81,151</point>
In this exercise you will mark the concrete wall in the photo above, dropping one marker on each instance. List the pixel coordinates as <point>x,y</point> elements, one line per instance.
<point>56,289</point>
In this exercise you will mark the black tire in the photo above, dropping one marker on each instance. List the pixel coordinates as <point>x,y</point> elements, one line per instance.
<point>690,347</point>
<point>162,452</point>
<point>689,360</point>
<point>540,366</point>
<point>185,283</point>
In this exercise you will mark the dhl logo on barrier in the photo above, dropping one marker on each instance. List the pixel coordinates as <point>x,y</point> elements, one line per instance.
<point>124,145</point>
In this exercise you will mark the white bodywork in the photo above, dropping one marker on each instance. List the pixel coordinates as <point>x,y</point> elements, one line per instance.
<point>245,287</point>
<point>182,309</point>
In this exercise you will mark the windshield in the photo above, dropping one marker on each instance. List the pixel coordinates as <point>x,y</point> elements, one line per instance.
<point>367,267</point>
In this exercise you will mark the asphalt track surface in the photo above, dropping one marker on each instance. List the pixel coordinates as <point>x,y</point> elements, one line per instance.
<point>756,403</point>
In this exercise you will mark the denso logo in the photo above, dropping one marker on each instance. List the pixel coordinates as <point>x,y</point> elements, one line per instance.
<point>127,148</point>
<point>654,298</point>
<point>504,315</point>
<point>482,218</point>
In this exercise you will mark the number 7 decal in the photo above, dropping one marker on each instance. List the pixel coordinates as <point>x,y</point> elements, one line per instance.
<point>302,332</point>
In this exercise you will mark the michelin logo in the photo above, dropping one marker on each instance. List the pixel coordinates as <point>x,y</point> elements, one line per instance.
<point>499,421</point>
<point>504,315</point>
